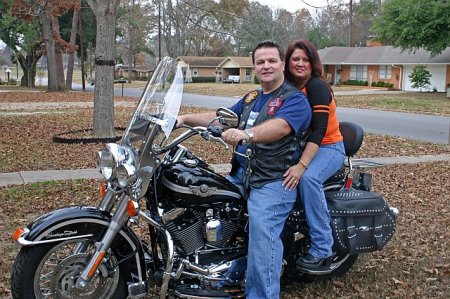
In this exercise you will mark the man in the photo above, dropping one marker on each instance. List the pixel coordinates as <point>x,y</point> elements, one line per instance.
<point>270,119</point>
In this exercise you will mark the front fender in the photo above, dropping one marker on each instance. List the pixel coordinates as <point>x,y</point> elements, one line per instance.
<point>77,222</point>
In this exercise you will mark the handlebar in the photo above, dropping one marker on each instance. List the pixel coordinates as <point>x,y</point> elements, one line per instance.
<point>211,133</point>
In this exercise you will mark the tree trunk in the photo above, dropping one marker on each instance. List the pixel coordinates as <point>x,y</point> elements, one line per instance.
<point>59,68</point>
<point>130,53</point>
<point>28,65</point>
<point>73,38</point>
<point>46,27</point>
<point>105,12</point>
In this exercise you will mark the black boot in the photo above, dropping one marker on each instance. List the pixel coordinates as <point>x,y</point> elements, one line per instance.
<point>310,262</point>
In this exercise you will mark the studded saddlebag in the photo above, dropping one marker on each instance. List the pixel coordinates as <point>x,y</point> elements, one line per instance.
<point>361,221</point>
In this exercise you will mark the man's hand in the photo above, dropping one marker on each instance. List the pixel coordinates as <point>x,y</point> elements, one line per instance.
<point>180,121</point>
<point>234,136</point>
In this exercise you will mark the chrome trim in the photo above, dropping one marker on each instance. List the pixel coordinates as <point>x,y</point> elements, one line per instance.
<point>188,190</point>
<point>170,252</point>
<point>24,242</point>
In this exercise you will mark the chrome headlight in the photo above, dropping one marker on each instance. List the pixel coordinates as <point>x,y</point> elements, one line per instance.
<point>110,158</point>
<point>126,175</point>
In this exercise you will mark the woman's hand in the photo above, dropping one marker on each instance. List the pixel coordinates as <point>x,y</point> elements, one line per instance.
<point>292,176</point>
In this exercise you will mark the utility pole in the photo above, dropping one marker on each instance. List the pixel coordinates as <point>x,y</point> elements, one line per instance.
<point>159,30</point>
<point>350,24</point>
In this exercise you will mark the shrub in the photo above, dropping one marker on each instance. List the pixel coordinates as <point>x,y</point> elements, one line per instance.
<point>356,82</point>
<point>203,79</point>
<point>420,76</point>
<point>255,80</point>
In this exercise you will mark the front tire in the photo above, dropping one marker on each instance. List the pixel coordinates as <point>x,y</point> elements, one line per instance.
<point>51,270</point>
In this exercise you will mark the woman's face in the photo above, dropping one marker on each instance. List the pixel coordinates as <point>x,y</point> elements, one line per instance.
<point>299,65</point>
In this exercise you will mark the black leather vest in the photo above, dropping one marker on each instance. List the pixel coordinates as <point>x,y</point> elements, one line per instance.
<point>269,161</point>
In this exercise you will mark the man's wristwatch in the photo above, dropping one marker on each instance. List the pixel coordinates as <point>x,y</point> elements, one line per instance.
<point>250,134</point>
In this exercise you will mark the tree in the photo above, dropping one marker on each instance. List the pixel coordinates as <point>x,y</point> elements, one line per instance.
<point>420,77</point>
<point>72,42</point>
<point>413,24</point>
<point>22,35</point>
<point>103,120</point>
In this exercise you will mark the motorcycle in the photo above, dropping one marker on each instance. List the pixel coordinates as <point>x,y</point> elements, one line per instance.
<point>197,219</point>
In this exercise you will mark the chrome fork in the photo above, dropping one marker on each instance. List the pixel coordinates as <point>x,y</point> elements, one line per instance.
<point>118,220</point>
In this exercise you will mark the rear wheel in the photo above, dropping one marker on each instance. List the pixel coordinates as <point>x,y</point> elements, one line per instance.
<point>340,262</point>
<point>51,271</point>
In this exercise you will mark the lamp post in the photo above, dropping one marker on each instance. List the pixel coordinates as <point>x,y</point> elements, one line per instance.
<point>8,72</point>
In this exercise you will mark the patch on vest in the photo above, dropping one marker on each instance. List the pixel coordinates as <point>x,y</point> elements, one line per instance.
<point>250,97</point>
<point>274,105</point>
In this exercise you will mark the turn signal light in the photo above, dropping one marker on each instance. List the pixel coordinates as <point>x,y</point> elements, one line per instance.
<point>103,189</point>
<point>132,208</point>
<point>18,233</point>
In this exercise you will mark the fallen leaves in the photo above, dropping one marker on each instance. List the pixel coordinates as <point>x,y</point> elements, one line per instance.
<point>415,264</point>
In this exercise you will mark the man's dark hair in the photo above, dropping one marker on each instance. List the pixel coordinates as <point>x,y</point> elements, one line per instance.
<point>268,44</point>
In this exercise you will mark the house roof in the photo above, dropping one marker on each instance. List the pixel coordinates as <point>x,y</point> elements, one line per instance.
<point>210,61</point>
<point>380,55</point>
<point>242,61</point>
<point>205,61</point>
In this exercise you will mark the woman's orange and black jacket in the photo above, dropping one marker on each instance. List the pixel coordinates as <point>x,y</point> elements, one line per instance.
<point>324,123</point>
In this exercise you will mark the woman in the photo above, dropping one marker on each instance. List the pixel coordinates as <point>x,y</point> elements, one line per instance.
<point>323,155</point>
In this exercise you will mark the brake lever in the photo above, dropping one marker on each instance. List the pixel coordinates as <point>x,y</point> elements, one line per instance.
<point>208,135</point>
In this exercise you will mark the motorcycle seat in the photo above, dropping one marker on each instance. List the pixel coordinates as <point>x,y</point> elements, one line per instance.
<point>353,137</point>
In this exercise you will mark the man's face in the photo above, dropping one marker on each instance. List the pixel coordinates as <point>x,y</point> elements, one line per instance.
<point>268,66</point>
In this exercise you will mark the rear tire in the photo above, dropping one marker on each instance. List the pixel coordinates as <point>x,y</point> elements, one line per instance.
<point>347,261</point>
<point>342,261</point>
<point>51,270</point>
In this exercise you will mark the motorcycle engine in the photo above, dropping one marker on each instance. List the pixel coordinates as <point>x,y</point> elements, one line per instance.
<point>192,230</point>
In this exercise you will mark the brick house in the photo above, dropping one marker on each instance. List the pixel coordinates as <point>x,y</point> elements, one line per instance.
<point>218,67</point>
<point>384,63</point>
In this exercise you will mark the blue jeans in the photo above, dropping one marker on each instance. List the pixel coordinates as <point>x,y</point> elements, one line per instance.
<point>268,208</point>
<point>325,163</point>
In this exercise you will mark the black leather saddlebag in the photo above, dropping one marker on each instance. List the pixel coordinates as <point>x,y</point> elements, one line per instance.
<point>361,221</point>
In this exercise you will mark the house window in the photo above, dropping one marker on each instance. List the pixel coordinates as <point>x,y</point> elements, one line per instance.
<point>248,74</point>
<point>358,72</point>
<point>194,72</point>
<point>384,72</point>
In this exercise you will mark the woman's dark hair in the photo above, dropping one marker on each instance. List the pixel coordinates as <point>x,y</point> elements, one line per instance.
<point>268,44</point>
<point>310,51</point>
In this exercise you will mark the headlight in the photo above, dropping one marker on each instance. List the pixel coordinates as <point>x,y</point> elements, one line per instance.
<point>105,162</point>
<point>111,157</point>
<point>126,175</point>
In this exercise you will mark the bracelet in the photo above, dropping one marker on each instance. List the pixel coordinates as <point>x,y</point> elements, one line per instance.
<point>304,164</point>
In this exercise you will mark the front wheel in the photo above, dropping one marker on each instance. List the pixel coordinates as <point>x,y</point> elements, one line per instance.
<point>51,271</point>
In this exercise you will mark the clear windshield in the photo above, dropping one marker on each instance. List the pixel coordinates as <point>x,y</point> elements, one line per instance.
<point>160,102</point>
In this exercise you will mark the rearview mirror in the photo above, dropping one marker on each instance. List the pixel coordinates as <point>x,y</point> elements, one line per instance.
<point>227,117</point>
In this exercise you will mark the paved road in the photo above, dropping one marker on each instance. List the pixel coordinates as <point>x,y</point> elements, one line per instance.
<point>413,126</point>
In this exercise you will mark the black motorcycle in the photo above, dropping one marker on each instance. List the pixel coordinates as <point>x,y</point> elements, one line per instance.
<point>197,219</point>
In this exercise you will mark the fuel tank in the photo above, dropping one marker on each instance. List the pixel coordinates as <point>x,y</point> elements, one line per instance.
<point>191,183</point>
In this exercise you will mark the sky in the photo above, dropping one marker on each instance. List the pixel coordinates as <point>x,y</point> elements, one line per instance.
<point>293,5</point>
